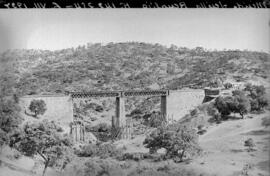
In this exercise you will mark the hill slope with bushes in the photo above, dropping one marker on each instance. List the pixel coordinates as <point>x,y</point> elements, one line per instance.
<point>132,65</point>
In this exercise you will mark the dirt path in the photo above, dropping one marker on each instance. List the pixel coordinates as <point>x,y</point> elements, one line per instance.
<point>225,153</point>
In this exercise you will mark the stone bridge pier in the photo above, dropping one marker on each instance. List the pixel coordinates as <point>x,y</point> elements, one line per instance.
<point>119,120</point>
<point>164,106</point>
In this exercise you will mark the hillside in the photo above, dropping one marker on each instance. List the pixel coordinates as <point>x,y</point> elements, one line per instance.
<point>118,66</point>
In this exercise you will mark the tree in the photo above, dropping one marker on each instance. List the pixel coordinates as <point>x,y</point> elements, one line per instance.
<point>242,103</point>
<point>257,96</point>
<point>42,139</point>
<point>238,103</point>
<point>9,118</point>
<point>181,142</point>
<point>9,114</point>
<point>178,141</point>
<point>228,85</point>
<point>38,107</point>
<point>222,105</point>
<point>255,91</point>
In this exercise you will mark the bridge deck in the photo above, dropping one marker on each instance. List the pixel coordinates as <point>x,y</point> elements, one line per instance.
<point>118,93</point>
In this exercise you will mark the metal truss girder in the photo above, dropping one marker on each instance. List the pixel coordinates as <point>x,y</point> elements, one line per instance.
<point>93,94</point>
<point>146,93</point>
<point>118,93</point>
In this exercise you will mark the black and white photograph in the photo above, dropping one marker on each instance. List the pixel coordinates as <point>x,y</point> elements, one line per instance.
<point>135,92</point>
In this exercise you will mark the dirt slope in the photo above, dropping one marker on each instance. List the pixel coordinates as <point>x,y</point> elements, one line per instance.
<point>225,153</point>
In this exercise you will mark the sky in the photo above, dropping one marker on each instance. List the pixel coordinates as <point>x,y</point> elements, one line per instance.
<point>55,29</point>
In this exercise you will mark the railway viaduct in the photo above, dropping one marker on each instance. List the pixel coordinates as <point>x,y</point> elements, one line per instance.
<point>171,103</point>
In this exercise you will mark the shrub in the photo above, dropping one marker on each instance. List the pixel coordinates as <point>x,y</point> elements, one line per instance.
<point>262,102</point>
<point>201,132</point>
<point>136,112</point>
<point>102,131</point>
<point>133,156</point>
<point>194,112</point>
<point>103,136</point>
<point>211,110</point>
<point>99,108</point>
<point>38,107</point>
<point>137,156</point>
<point>88,127</point>
<point>146,117</point>
<point>155,120</point>
<point>102,167</point>
<point>250,144</point>
<point>203,107</point>
<point>217,117</point>
<point>228,85</point>
<point>163,170</point>
<point>257,105</point>
<point>257,95</point>
<point>178,141</point>
<point>137,117</point>
<point>99,150</point>
<point>155,140</point>
<point>102,127</point>
<point>17,155</point>
<point>93,118</point>
<point>255,90</point>
<point>93,106</point>
<point>200,127</point>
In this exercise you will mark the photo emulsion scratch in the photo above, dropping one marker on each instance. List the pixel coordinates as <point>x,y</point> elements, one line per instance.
<point>136,92</point>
